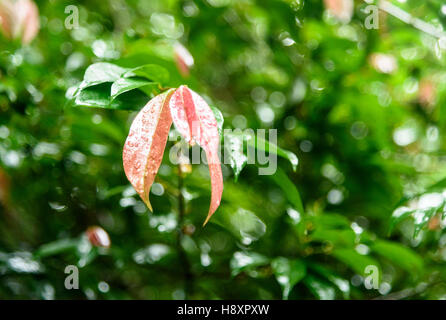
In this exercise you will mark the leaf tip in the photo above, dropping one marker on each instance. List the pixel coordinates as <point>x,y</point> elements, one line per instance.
<point>207,220</point>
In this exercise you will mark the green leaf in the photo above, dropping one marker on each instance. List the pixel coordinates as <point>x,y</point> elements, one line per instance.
<point>57,247</point>
<point>289,189</point>
<point>339,238</point>
<point>400,255</point>
<point>99,96</point>
<point>266,146</point>
<point>342,284</point>
<point>220,119</point>
<point>321,289</point>
<point>234,151</point>
<point>157,253</point>
<point>244,261</point>
<point>357,262</point>
<point>20,262</point>
<point>152,72</point>
<point>243,224</point>
<point>123,85</point>
<point>101,72</point>
<point>422,217</point>
<point>398,215</point>
<point>288,273</point>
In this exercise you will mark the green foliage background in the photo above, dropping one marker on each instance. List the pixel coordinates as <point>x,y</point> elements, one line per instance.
<point>366,145</point>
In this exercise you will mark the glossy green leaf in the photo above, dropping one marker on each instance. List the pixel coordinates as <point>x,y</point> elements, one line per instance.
<point>243,224</point>
<point>340,238</point>
<point>399,215</point>
<point>288,273</point>
<point>421,217</point>
<point>152,72</point>
<point>220,119</point>
<point>357,262</point>
<point>123,85</point>
<point>321,289</point>
<point>99,96</point>
<point>57,247</point>
<point>400,255</point>
<point>20,262</point>
<point>234,153</point>
<point>243,261</point>
<point>101,72</point>
<point>342,284</point>
<point>289,189</point>
<point>264,145</point>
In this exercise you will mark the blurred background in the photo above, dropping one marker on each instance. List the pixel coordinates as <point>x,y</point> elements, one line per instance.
<point>363,110</point>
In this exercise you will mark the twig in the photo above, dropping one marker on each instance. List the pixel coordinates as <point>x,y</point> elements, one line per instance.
<point>406,17</point>
<point>188,276</point>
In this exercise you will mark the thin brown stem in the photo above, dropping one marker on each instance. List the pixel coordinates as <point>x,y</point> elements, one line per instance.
<point>188,276</point>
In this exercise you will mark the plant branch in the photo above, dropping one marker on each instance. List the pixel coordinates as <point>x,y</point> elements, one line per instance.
<point>188,276</point>
<point>406,17</point>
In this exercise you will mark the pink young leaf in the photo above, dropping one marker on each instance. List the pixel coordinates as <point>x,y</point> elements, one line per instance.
<point>19,19</point>
<point>183,59</point>
<point>196,122</point>
<point>98,237</point>
<point>341,9</point>
<point>28,15</point>
<point>145,144</point>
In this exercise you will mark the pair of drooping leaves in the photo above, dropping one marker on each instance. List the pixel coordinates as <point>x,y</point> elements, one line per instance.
<point>147,139</point>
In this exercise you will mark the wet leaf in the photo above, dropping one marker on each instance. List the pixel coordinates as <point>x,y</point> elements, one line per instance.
<point>243,224</point>
<point>357,262</point>
<point>235,154</point>
<point>262,144</point>
<point>399,255</point>
<point>123,85</point>
<point>20,262</point>
<point>195,121</point>
<point>101,72</point>
<point>98,96</point>
<point>220,119</point>
<point>242,261</point>
<point>321,289</point>
<point>56,247</point>
<point>289,189</point>
<point>342,284</point>
<point>155,253</point>
<point>144,147</point>
<point>152,72</point>
<point>288,273</point>
<point>399,215</point>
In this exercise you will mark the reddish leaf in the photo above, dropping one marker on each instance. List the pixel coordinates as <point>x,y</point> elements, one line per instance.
<point>183,59</point>
<point>19,19</point>
<point>196,122</point>
<point>29,19</point>
<point>341,9</point>
<point>144,147</point>
<point>98,237</point>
